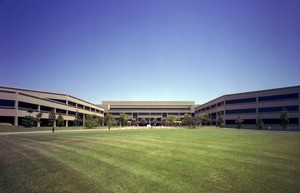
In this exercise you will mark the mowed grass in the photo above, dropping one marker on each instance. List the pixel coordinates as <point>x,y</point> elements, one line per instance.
<point>152,160</point>
<point>12,128</point>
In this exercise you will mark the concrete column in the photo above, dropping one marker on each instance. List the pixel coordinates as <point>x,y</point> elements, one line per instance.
<point>16,121</point>
<point>55,117</point>
<point>67,123</point>
<point>83,119</point>
<point>38,123</point>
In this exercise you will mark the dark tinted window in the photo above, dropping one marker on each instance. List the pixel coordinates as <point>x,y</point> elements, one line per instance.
<point>143,113</point>
<point>279,97</point>
<point>27,105</point>
<point>230,122</point>
<point>241,111</point>
<point>72,103</point>
<point>7,103</point>
<point>271,121</point>
<point>277,121</point>
<point>237,101</point>
<point>71,112</point>
<point>44,108</point>
<point>293,121</point>
<point>249,121</point>
<point>61,111</point>
<point>277,109</point>
<point>155,113</point>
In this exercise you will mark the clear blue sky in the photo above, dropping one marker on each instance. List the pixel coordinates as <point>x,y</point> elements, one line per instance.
<point>149,49</point>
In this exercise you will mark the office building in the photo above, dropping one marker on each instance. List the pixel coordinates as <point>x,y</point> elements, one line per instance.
<point>15,104</point>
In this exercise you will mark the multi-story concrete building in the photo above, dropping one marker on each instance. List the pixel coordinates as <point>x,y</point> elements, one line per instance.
<point>249,106</point>
<point>15,103</point>
<point>148,109</point>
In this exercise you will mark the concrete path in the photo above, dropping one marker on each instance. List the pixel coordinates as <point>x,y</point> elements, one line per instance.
<point>80,130</point>
<point>48,131</point>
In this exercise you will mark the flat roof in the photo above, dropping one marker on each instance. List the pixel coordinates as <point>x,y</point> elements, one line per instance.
<point>148,103</point>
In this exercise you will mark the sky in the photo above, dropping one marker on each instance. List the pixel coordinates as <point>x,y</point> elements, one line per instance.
<point>191,50</point>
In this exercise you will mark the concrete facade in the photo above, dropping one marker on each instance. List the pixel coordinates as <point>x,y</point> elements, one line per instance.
<point>265,104</point>
<point>149,110</point>
<point>15,103</point>
<point>249,106</point>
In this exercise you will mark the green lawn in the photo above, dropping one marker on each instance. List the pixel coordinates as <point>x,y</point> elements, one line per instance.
<point>157,160</point>
<point>12,128</point>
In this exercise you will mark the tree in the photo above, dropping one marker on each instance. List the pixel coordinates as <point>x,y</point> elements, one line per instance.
<point>100,121</point>
<point>52,119</point>
<point>204,118</point>
<point>164,121</point>
<point>91,121</point>
<point>260,123</point>
<point>28,121</point>
<point>76,119</point>
<point>220,120</point>
<point>154,121</point>
<point>30,111</point>
<point>123,119</point>
<point>284,118</point>
<point>39,116</point>
<point>195,121</point>
<point>109,120</point>
<point>187,119</point>
<point>239,122</point>
<point>143,121</point>
<point>133,122</point>
<point>170,120</point>
<point>60,120</point>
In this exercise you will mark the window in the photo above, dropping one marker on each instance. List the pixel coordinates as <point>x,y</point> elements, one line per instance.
<point>230,122</point>
<point>249,121</point>
<point>241,111</point>
<point>27,105</point>
<point>279,97</point>
<point>277,109</point>
<point>213,115</point>
<point>293,121</point>
<point>71,113</point>
<point>47,109</point>
<point>61,111</point>
<point>72,103</point>
<point>238,101</point>
<point>220,103</point>
<point>143,113</point>
<point>271,121</point>
<point>155,113</point>
<point>7,103</point>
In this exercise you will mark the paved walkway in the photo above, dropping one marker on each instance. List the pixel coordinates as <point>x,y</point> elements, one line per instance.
<point>81,130</point>
<point>48,131</point>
